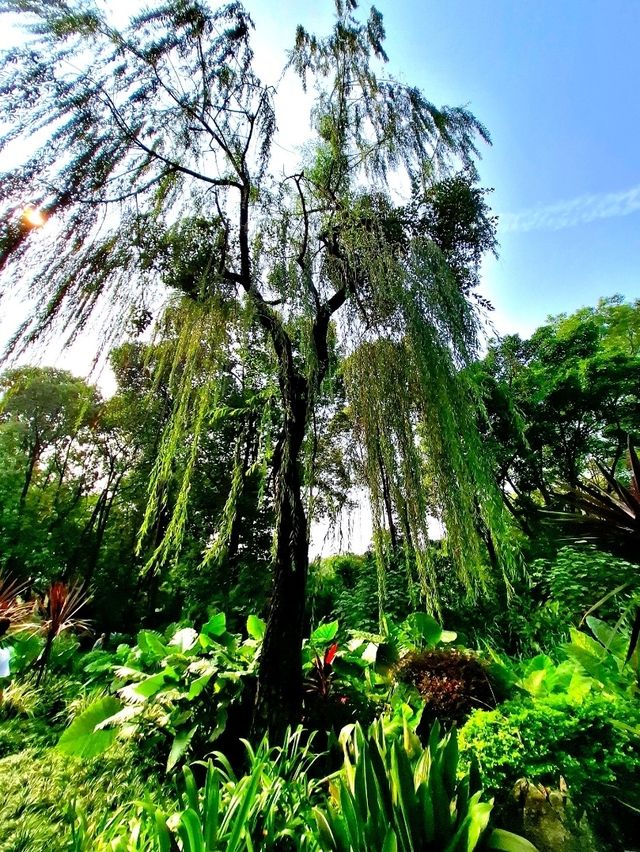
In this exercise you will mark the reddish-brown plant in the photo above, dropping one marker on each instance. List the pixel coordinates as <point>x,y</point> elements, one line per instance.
<point>451,682</point>
<point>13,609</point>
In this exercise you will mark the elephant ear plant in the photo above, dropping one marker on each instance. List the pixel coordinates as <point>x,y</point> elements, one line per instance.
<point>393,795</point>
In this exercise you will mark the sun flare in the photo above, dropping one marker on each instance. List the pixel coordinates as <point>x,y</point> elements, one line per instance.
<point>34,217</point>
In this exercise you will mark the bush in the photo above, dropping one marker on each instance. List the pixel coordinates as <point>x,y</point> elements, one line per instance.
<point>452,683</point>
<point>592,745</point>
<point>578,577</point>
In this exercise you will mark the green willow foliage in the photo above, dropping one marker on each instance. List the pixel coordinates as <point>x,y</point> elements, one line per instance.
<point>156,172</point>
<point>413,413</point>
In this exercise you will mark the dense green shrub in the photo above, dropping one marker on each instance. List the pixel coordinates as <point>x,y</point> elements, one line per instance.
<point>580,576</point>
<point>592,745</point>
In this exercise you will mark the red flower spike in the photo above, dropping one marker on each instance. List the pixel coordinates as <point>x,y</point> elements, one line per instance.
<point>330,654</point>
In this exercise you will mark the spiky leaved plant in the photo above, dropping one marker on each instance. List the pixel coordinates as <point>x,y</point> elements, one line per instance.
<point>393,795</point>
<point>59,614</point>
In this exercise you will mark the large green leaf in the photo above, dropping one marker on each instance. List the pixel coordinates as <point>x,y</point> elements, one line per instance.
<point>424,628</point>
<point>81,738</point>
<point>179,746</point>
<point>198,685</point>
<point>324,633</point>
<point>190,831</point>
<point>151,645</point>
<point>256,628</point>
<point>216,626</point>
<point>153,684</point>
<point>612,640</point>
<point>505,841</point>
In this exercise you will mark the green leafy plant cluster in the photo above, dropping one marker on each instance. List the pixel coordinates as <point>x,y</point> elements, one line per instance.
<point>393,794</point>
<point>172,693</point>
<point>580,576</point>
<point>268,807</point>
<point>590,744</point>
<point>355,679</point>
<point>589,663</point>
<point>577,720</point>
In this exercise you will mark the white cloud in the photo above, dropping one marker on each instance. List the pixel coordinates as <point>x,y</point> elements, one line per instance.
<point>576,211</point>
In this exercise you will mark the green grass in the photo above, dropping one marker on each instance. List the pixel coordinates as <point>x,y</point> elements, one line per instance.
<point>38,785</point>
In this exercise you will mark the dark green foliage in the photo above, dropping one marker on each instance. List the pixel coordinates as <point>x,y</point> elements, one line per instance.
<point>346,587</point>
<point>562,401</point>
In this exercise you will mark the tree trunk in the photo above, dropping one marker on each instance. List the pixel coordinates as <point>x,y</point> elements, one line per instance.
<point>279,694</point>
<point>34,455</point>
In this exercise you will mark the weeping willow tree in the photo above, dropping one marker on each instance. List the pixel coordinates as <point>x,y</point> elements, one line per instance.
<point>147,156</point>
<point>414,413</point>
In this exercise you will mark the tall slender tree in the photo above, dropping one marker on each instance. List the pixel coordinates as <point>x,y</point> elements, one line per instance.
<point>154,176</point>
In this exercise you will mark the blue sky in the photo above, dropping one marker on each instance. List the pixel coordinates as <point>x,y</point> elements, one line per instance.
<point>556,84</point>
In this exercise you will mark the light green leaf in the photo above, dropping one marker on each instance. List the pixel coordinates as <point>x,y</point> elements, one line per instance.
<point>256,628</point>
<point>216,626</point>
<point>81,738</point>
<point>448,636</point>
<point>506,841</point>
<point>324,633</point>
<point>151,644</point>
<point>179,746</point>
<point>198,685</point>
<point>152,685</point>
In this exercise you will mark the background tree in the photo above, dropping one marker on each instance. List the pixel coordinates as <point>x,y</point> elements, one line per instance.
<point>47,421</point>
<point>168,130</point>
<point>562,402</point>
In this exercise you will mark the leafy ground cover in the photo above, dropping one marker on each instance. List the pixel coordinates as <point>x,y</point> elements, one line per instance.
<point>137,747</point>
